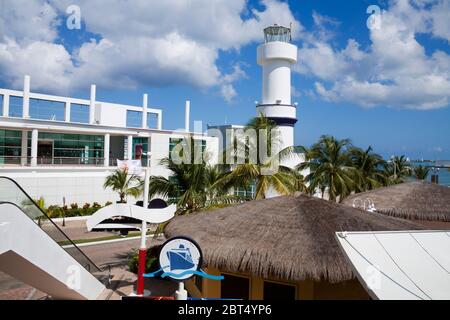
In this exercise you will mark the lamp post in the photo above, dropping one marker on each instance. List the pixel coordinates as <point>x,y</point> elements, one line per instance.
<point>143,246</point>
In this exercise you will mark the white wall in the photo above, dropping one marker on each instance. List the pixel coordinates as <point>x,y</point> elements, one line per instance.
<point>75,185</point>
<point>108,114</point>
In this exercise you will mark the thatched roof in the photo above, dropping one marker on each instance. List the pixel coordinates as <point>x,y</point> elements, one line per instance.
<point>411,200</point>
<point>288,237</point>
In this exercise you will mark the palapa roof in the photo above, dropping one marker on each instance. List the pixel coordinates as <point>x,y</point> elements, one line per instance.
<point>410,200</point>
<point>287,237</point>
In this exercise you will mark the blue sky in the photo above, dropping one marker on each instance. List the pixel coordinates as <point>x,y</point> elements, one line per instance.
<point>389,87</point>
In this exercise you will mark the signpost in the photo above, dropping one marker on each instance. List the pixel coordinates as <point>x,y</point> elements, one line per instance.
<point>143,246</point>
<point>181,258</point>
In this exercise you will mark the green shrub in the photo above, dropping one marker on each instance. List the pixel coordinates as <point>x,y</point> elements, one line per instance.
<point>108,203</point>
<point>73,212</point>
<point>54,211</point>
<point>151,263</point>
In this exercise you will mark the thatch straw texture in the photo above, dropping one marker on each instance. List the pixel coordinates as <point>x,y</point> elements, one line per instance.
<point>288,237</point>
<point>418,200</point>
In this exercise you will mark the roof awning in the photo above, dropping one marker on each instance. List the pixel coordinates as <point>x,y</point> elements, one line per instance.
<point>400,265</point>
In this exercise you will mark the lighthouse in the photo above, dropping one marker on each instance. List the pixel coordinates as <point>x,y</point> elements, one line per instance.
<point>276,56</point>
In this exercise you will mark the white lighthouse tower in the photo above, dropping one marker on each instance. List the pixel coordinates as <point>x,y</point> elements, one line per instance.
<point>276,56</point>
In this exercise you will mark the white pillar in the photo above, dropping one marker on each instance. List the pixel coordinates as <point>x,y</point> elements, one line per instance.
<point>26,97</point>
<point>24,151</point>
<point>187,115</point>
<point>130,148</point>
<point>34,147</point>
<point>6,105</point>
<point>67,112</point>
<point>160,121</point>
<point>106,149</point>
<point>92,104</point>
<point>144,111</point>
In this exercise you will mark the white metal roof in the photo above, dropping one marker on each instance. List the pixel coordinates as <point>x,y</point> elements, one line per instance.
<point>402,265</point>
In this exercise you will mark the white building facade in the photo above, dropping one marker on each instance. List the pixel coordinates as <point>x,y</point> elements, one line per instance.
<point>62,148</point>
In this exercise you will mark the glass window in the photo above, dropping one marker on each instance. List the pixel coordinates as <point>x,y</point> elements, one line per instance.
<point>194,147</point>
<point>1,105</point>
<point>247,193</point>
<point>134,119</point>
<point>174,180</point>
<point>10,146</point>
<point>73,148</point>
<point>172,143</point>
<point>152,120</point>
<point>79,113</point>
<point>140,149</point>
<point>15,106</point>
<point>277,33</point>
<point>278,291</point>
<point>234,287</point>
<point>46,109</point>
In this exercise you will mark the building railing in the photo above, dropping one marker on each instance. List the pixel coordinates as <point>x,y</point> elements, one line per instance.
<point>60,161</point>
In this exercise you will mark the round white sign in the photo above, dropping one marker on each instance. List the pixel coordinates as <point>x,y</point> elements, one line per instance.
<point>180,258</point>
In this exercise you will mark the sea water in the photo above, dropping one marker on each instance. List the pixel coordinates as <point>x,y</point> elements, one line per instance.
<point>443,173</point>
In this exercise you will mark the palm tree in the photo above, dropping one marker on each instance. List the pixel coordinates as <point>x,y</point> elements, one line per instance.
<point>421,172</point>
<point>192,187</point>
<point>370,168</point>
<point>124,184</point>
<point>263,170</point>
<point>397,169</point>
<point>330,167</point>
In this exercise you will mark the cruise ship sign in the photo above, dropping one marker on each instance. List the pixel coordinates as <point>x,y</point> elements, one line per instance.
<point>180,258</point>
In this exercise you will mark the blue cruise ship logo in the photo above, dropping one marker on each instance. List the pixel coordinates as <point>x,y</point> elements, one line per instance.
<point>180,258</point>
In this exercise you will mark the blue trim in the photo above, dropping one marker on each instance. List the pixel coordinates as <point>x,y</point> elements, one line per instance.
<point>172,275</point>
<point>275,105</point>
<point>283,121</point>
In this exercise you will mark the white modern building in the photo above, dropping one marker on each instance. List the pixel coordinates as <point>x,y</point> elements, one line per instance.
<point>62,148</point>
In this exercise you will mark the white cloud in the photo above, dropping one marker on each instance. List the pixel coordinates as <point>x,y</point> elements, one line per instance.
<point>28,21</point>
<point>227,89</point>
<point>52,73</point>
<point>141,42</point>
<point>395,70</point>
<point>437,149</point>
<point>228,92</point>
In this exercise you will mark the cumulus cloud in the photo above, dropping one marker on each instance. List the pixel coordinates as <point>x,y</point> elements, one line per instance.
<point>395,70</point>
<point>140,42</point>
<point>52,73</point>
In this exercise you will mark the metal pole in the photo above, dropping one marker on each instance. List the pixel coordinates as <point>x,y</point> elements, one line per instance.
<point>143,246</point>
